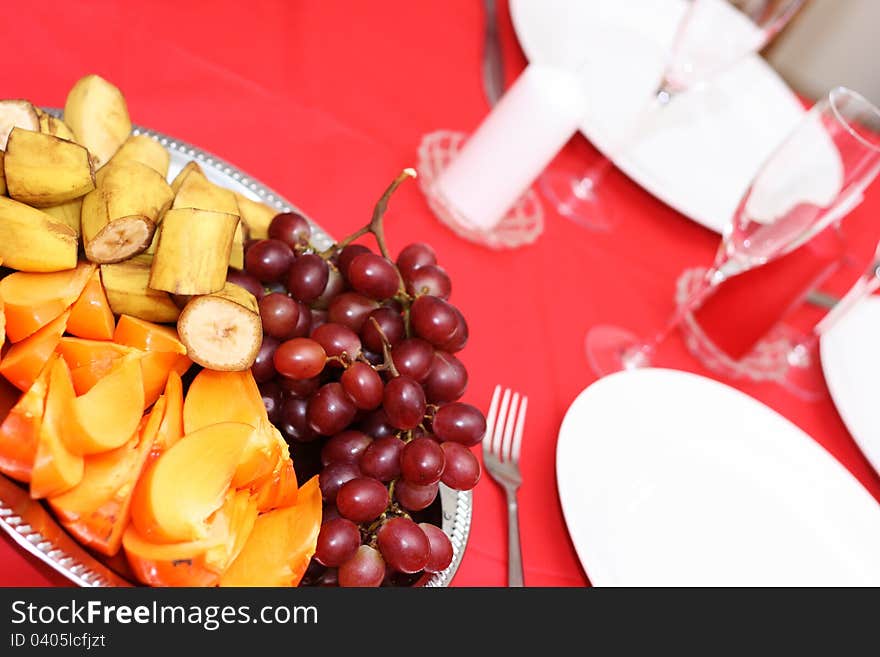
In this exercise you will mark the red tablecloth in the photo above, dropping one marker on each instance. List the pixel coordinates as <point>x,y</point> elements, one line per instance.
<point>326,102</point>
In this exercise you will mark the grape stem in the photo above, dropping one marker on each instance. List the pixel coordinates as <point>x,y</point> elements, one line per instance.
<point>386,351</point>
<point>376,226</point>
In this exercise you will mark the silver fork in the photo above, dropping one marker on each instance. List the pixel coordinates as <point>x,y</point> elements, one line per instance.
<point>501,448</point>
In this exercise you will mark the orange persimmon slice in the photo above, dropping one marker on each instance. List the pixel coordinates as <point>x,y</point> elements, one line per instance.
<point>91,316</point>
<point>32,300</point>
<point>107,415</point>
<point>56,468</point>
<point>215,396</point>
<point>91,360</point>
<point>188,563</point>
<point>155,369</point>
<point>21,428</point>
<point>171,429</point>
<point>280,545</point>
<point>141,334</point>
<point>25,360</point>
<point>96,510</point>
<point>180,490</point>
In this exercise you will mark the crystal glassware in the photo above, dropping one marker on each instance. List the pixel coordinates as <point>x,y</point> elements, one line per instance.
<point>711,36</point>
<point>827,160</point>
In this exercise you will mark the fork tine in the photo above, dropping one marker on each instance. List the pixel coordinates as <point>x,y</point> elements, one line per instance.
<point>495,446</point>
<point>518,432</point>
<point>491,417</point>
<point>508,428</point>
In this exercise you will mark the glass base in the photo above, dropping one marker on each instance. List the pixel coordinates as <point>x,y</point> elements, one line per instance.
<point>783,356</point>
<point>577,199</point>
<point>612,349</point>
<point>522,224</point>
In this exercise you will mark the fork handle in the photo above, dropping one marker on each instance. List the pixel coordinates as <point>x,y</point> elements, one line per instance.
<point>514,554</point>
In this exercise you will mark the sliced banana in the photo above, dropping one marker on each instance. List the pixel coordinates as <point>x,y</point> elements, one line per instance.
<point>222,331</point>
<point>16,114</point>
<point>120,239</point>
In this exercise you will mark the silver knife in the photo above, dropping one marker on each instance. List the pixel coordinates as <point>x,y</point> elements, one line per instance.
<point>493,64</point>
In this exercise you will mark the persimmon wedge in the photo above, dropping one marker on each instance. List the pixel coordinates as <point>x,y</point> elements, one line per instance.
<point>20,430</point>
<point>171,428</point>
<point>179,491</point>
<point>32,300</point>
<point>56,467</point>
<point>156,366</point>
<point>96,510</point>
<point>280,545</point>
<point>25,360</point>
<point>141,334</point>
<point>91,316</point>
<point>107,415</point>
<point>216,396</point>
<point>91,360</point>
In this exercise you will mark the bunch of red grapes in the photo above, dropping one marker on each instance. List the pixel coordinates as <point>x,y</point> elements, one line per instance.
<point>358,358</point>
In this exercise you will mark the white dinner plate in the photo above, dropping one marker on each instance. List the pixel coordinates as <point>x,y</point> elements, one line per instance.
<point>699,153</point>
<point>671,479</point>
<point>850,353</point>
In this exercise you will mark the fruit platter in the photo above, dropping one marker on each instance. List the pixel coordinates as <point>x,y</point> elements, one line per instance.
<point>200,387</point>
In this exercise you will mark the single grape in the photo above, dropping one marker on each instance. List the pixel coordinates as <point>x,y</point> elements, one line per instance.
<point>294,420</point>
<point>403,545</point>
<point>291,228</point>
<point>335,286</point>
<point>459,335</point>
<point>273,396</point>
<point>373,358</point>
<point>422,462</point>
<point>337,340</point>
<point>365,568</point>
<point>345,447</point>
<point>440,548</point>
<point>348,254</point>
<point>462,469</point>
<point>300,358</point>
<point>329,512</point>
<point>248,243</point>
<point>460,423</point>
<point>263,368</point>
<point>334,476</point>
<point>302,388</point>
<point>373,276</point>
<point>404,402</point>
<point>446,380</point>
<point>330,410</point>
<point>414,497</point>
<point>279,314</point>
<point>364,385</point>
<point>381,459</point>
<point>338,540</point>
<point>376,424</point>
<point>268,260</point>
<point>391,325</point>
<point>362,499</point>
<point>247,281</point>
<point>319,318</point>
<point>307,277</point>
<point>429,279</point>
<point>433,319</point>
<point>415,255</point>
<point>313,574</point>
<point>413,357</point>
<point>351,309</point>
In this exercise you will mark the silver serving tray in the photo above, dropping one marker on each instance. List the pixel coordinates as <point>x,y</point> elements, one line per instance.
<point>33,528</point>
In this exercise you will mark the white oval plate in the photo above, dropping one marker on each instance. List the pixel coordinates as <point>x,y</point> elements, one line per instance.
<point>670,479</point>
<point>850,354</point>
<point>700,152</point>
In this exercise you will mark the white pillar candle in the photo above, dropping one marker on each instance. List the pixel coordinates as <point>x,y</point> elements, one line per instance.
<point>513,144</point>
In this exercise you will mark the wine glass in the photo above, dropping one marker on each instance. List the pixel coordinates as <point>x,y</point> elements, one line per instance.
<point>829,158</point>
<point>711,36</point>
